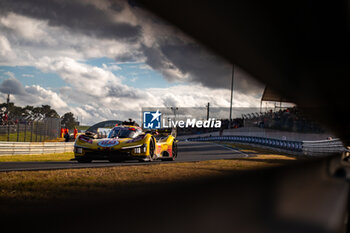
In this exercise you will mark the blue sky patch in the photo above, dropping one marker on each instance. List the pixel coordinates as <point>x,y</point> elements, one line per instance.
<point>29,75</point>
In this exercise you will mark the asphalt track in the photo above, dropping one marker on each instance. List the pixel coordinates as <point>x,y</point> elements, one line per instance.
<point>187,152</point>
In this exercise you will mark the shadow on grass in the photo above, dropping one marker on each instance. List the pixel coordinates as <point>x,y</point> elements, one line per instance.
<point>274,161</point>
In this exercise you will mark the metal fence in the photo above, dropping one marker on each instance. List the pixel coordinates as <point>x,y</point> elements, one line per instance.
<point>323,146</point>
<point>20,148</point>
<point>31,131</point>
<point>313,148</point>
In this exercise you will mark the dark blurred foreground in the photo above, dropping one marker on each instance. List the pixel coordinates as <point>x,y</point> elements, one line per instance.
<point>301,49</point>
<point>300,198</point>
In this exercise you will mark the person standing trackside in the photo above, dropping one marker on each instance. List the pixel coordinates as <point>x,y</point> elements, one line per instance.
<point>66,136</point>
<point>75,132</point>
<point>62,132</point>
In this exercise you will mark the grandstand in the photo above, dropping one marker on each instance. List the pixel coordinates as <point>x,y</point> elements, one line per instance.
<point>288,119</point>
<point>279,118</point>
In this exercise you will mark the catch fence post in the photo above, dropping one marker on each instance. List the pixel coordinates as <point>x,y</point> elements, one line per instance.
<point>31,131</point>
<point>25,131</point>
<point>36,131</point>
<point>17,131</point>
<point>49,128</point>
<point>41,131</point>
<point>8,130</point>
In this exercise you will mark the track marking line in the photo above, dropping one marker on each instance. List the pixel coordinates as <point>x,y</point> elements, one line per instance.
<point>230,148</point>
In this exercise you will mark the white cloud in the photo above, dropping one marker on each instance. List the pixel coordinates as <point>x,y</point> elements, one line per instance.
<point>62,46</point>
<point>6,52</point>
<point>12,86</point>
<point>41,95</point>
<point>88,83</point>
<point>111,67</point>
<point>4,45</point>
<point>145,67</point>
<point>113,107</point>
<point>32,95</point>
<point>9,74</point>
<point>31,39</point>
<point>100,95</point>
<point>25,27</point>
<point>27,75</point>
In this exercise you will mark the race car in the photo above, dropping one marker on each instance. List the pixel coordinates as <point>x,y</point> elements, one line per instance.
<point>126,142</point>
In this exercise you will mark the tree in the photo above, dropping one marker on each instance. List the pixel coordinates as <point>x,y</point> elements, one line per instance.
<point>48,112</point>
<point>37,113</point>
<point>27,113</point>
<point>68,120</point>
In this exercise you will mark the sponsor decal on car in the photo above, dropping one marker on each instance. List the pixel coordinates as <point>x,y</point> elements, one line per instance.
<point>159,149</point>
<point>170,150</point>
<point>85,139</point>
<point>108,143</point>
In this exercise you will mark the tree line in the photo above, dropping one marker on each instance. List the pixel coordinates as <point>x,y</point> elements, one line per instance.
<point>12,114</point>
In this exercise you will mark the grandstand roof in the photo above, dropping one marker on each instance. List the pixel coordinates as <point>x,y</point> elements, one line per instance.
<point>271,95</point>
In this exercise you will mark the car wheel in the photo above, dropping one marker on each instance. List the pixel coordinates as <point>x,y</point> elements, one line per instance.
<point>151,150</point>
<point>84,160</point>
<point>174,153</point>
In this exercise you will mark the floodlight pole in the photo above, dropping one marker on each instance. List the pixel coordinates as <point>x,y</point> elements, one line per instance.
<point>8,119</point>
<point>233,71</point>
<point>208,111</point>
<point>174,111</point>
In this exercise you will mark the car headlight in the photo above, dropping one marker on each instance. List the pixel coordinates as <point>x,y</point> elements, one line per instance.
<point>137,150</point>
<point>141,149</point>
<point>78,150</point>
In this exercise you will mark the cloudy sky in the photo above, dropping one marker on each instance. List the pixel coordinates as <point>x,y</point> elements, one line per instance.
<point>107,59</point>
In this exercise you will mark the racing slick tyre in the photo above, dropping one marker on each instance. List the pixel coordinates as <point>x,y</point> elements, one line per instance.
<point>174,153</point>
<point>84,160</point>
<point>152,155</point>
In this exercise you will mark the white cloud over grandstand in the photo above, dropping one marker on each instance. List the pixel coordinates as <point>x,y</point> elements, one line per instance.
<point>52,37</point>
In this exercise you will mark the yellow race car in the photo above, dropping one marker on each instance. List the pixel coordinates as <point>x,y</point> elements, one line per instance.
<point>126,142</point>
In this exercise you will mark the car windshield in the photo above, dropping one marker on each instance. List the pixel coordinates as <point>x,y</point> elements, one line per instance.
<point>123,133</point>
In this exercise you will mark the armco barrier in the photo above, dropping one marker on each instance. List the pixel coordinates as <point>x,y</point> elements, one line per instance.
<point>15,148</point>
<point>323,146</point>
<point>297,147</point>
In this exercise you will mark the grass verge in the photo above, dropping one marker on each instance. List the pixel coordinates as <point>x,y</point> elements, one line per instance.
<point>40,157</point>
<point>21,136</point>
<point>21,189</point>
<point>39,186</point>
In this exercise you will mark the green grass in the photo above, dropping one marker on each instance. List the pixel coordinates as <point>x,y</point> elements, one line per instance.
<point>13,137</point>
<point>119,181</point>
<point>83,127</point>
<point>41,157</point>
<point>29,189</point>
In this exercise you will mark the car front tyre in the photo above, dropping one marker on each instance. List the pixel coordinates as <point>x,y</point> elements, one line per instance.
<point>151,148</point>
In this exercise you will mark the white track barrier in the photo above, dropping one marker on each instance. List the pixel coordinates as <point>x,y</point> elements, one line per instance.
<point>16,148</point>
